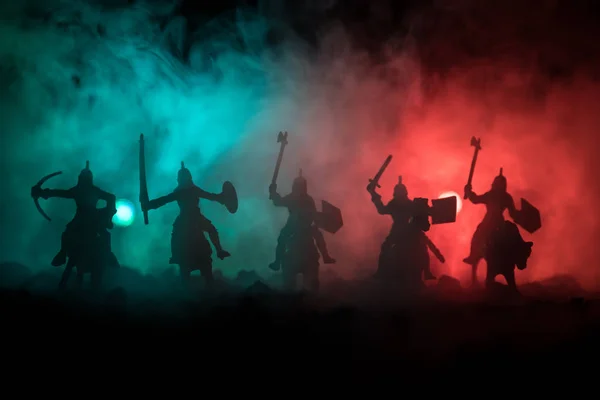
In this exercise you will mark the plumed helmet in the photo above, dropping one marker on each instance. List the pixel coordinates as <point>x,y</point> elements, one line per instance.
<point>85,176</point>
<point>500,183</point>
<point>400,190</point>
<point>300,185</point>
<point>184,176</point>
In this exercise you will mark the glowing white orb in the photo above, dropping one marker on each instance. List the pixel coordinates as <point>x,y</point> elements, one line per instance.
<point>125,213</point>
<point>458,199</point>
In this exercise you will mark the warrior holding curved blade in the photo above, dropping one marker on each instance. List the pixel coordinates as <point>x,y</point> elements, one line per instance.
<point>86,197</point>
<point>187,239</point>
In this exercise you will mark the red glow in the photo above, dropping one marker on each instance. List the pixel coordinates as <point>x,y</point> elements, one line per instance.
<point>542,131</point>
<point>432,152</point>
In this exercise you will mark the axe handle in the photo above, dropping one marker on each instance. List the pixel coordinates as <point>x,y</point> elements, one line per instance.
<point>472,170</point>
<point>278,164</point>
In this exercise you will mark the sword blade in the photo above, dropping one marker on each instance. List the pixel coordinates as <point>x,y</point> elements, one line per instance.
<point>377,177</point>
<point>278,164</point>
<point>143,184</point>
<point>436,252</point>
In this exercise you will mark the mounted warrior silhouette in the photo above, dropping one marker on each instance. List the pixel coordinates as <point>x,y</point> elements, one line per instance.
<point>189,247</point>
<point>404,256</point>
<point>86,242</point>
<point>496,240</point>
<point>301,239</point>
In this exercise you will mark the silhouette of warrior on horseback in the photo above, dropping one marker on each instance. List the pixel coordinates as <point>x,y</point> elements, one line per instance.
<point>497,240</point>
<point>189,247</point>
<point>86,241</point>
<point>404,255</point>
<point>296,251</point>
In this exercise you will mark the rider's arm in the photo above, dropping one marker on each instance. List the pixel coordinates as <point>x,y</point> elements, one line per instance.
<point>206,195</point>
<point>60,193</point>
<point>279,201</point>
<point>476,198</point>
<point>161,201</point>
<point>111,199</point>
<point>381,208</point>
<point>276,198</point>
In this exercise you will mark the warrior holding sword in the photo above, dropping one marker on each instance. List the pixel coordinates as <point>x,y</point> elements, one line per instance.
<point>407,244</point>
<point>189,247</point>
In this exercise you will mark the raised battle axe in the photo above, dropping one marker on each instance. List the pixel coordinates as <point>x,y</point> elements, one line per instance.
<point>282,140</point>
<point>477,144</point>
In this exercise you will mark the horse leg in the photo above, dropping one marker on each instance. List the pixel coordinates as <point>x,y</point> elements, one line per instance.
<point>64,279</point>
<point>289,279</point>
<point>96,278</point>
<point>474,281</point>
<point>184,273</point>
<point>207,274</point>
<point>490,275</point>
<point>311,278</point>
<point>511,281</point>
<point>79,279</point>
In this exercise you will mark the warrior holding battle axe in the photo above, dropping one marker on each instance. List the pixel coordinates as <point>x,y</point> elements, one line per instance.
<point>496,201</point>
<point>302,209</point>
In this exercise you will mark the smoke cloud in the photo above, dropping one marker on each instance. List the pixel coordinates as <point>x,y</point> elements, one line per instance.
<point>81,80</point>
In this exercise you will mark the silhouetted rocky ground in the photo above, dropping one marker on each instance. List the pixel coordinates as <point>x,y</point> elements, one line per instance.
<point>448,330</point>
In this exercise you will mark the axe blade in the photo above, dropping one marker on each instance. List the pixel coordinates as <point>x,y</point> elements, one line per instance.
<point>476,142</point>
<point>282,137</point>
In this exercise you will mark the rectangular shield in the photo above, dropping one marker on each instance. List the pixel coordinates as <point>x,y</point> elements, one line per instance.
<point>528,217</point>
<point>330,218</point>
<point>443,211</point>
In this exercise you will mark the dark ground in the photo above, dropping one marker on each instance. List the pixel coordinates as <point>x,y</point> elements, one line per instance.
<point>449,330</point>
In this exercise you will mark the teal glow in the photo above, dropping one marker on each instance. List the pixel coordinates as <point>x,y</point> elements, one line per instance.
<point>125,213</point>
<point>82,95</point>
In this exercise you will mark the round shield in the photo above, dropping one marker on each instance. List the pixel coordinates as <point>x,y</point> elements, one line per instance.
<point>230,199</point>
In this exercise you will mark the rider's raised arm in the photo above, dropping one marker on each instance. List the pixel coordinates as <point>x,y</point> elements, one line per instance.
<point>161,201</point>
<point>276,198</point>
<point>57,193</point>
<point>381,208</point>
<point>280,201</point>
<point>477,198</point>
<point>203,194</point>
<point>510,204</point>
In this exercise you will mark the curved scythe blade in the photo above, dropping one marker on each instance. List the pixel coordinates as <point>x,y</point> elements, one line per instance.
<point>39,185</point>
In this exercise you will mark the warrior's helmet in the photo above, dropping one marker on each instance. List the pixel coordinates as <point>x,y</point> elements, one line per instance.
<point>400,190</point>
<point>85,176</point>
<point>499,184</point>
<point>300,185</point>
<point>184,176</point>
